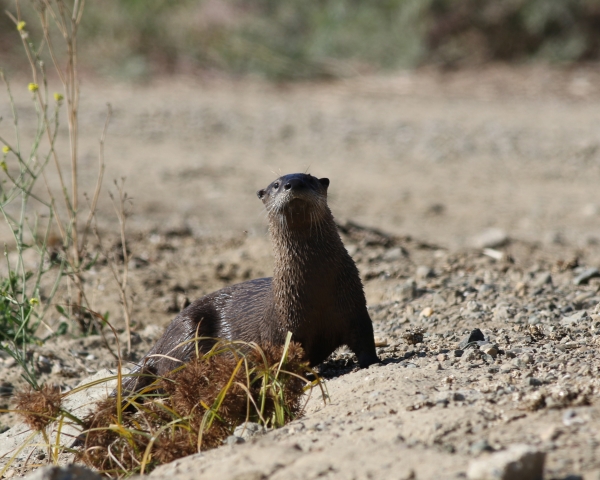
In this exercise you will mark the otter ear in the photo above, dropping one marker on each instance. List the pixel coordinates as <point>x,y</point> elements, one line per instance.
<point>261,193</point>
<point>324,182</point>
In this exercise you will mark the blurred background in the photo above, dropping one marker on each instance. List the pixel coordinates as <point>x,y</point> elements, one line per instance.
<point>452,121</point>
<point>294,39</point>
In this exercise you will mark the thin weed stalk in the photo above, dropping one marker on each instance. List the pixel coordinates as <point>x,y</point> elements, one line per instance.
<point>58,16</point>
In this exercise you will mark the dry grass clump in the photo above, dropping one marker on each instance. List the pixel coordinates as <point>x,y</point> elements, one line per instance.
<point>39,407</point>
<point>196,407</point>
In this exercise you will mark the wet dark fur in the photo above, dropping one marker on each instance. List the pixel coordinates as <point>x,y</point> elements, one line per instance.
<point>315,292</point>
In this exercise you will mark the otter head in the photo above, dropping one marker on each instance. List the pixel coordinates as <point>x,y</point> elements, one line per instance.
<point>296,200</point>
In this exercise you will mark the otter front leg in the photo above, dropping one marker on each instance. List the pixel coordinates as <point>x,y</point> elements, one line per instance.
<point>362,341</point>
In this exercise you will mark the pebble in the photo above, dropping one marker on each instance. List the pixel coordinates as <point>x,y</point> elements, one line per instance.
<point>393,254</point>
<point>550,433</point>
<point>532,382</point>
<point>423,273</point>
<point>480,446</point>
<point>571,417</point>
<point>491,238</point>
<point>407,291</point>
<point>503,312</point>
<point>67,472</point>
<point>541,279</point>
<point>585,276</point>
<point>426,312</point>
<point>474,336</point>
<point>233,440</point>
<point>487,358</point>
<point>6,389</point>
<point>493,253</point>
<point>434,366</point>
<point>248,429</point>
<point>470,356</point>
<point>527,358</point>
<point>574,319</point>
<point>10,362</point>
<point>518,462</point>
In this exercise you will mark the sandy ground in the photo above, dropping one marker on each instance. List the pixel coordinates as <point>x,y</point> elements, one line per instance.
<point>432,159</point>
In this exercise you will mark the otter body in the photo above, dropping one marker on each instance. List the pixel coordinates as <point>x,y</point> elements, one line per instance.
<point>315,291</point>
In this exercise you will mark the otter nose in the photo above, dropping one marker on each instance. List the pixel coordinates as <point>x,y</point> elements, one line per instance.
<point>294,184</point>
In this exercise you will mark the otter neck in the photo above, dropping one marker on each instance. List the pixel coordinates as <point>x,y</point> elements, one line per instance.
<point>307,258</point>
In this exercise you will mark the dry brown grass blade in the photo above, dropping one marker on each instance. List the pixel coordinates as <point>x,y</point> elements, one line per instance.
<point>196,407</point>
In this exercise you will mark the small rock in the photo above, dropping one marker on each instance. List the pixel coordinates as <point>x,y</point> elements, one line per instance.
<point>10,362</point>
<point>518,462</point>
<point>438,300</point>
<point>532,382</point>
<point>491,238</point>
<point>582,297</point>
<point>393,254</point>
<point>585,276</point>
<point>550,433</point>
<point>458,397</point>
<point>406,474</point>
<point>423,272</point>
<point>574,319</point>
<point>487,358</point>
<point>426,312</point>
<point>490,349</point>
<point>413,336</point>
<point>493,253</point>
<point>233,440</point>
<point>543,278</point>
<point>570,417</point>
<point>518,363</point>
<point>6,389</point>
<point>474,336</point>
<point>480,446</point>
<point>407,291</point>
<point>534,401</point>
<point>526,358</point>
<point>44,364</point>
<point>507,367</point>
<point>68,472</point>
<point>470,356</point>
<point>503,312</point>
<point>473,306</point>
<point>248,429</point>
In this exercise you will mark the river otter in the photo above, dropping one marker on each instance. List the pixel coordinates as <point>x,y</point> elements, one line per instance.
<point>315,291</point>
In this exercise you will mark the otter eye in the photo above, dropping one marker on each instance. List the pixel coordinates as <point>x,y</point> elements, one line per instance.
<point>276,185</point>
